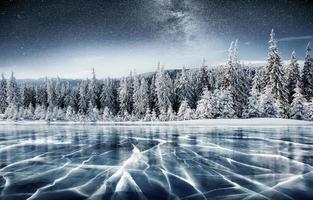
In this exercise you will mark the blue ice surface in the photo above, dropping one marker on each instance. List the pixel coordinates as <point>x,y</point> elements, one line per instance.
<point>155,162</point>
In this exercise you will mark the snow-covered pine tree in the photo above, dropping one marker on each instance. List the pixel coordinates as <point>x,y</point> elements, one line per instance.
<point>123,96</point>
<point>58,93</point>
<point>29,112</point>
<point>12,111</point>
<point>148,115</point>
<point>136,97</point>
<point>275,77</point>
<point>51,95</point>
<point>213,106</point>
<point>171,114</point>
<point>253,108</point>
<point>235,56</point>
<point>307,75</point>
<point>103,94</point>
<point>244,81</point>
<point>212,79</point>
<point>107,96</point>
<point>23,96</point>
<point>55,113</point>
<point>61,95</point>
<point>233,77</point>
<point>225,104</point>
<point>154,116</point>
<point>37,100</point>
<point>69,115</point>
<point>204,105</point>
<point>267,104</point>
<point>93,113</point>
<point>143,98</point>
<point>130,90</point>
<point>41,94</point>
<point>107,115</point>
<point>68,98</point>
<point>298,109</point>
<point>205,78</point>
<point>21,113</point>
<point>31,95</point>
<point>183,110</point>
<point>189,114</point>
<point>152,94</point>
<point>257,81</point>
<point>43,112</point>
<point>195,86</point>
<point>57,89</point>
<point>49,114</point>
<point>214,110</point>
<point>83,100</point>
<point>163,91</point>
<point>37,112</point>
<point>3,94</point>
<point>13,93</point>
<point>93,90</point>
<point>176,98</point>
<point>163,115</point>
<point>229,71</point>
<point>60,114</point>
<point>74,100</point>
<point>183,86</point>
<point>293,76</point>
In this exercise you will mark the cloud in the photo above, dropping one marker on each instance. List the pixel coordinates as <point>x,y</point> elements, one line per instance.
<point>304,37</point>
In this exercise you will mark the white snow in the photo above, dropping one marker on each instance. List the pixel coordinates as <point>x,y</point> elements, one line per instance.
<point>202,122</point>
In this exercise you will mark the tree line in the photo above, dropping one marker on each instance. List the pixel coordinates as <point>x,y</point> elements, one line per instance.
<point>233,90</point>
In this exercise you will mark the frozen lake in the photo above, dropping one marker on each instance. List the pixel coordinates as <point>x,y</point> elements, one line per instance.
<point>155,162</point>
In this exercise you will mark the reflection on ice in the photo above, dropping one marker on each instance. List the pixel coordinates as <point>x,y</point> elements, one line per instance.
<point>157,162</point>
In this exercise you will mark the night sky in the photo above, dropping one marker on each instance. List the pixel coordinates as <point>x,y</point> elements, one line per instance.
<point>69,38</point>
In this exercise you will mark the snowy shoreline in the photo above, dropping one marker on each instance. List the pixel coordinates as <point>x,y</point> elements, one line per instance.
<point>203,122</point>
